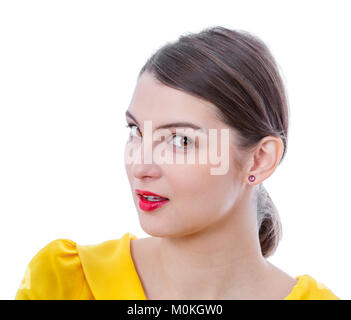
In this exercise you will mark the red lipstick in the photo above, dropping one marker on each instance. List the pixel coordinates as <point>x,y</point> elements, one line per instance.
<point>149,201</point>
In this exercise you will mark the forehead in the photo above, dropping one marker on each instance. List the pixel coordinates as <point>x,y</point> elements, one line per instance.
<point>155,101</point>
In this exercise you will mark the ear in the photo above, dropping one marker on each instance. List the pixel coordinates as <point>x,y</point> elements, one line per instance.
<point>265,158</point>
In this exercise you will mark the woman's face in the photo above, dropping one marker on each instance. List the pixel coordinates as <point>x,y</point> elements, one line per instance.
<point>197,198</point>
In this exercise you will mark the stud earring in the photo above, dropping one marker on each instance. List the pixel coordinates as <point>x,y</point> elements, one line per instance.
<point>252,178</point>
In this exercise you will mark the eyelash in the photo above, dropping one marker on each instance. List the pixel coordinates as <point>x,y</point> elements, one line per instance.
<point>190,142</point>
<point>130,125</point>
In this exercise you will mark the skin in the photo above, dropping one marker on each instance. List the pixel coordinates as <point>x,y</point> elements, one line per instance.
<point>204,242</point>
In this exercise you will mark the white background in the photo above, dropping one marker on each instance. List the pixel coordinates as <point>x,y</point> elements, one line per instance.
<point>67,73</point>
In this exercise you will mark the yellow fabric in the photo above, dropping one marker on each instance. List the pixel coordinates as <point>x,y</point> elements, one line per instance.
<point>64,270</point>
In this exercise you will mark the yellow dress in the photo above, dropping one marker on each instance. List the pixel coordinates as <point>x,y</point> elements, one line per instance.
<point>64,270</point>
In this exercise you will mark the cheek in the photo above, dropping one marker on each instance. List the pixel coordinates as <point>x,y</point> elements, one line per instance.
<point>196,192</point>
<point>128,171</point>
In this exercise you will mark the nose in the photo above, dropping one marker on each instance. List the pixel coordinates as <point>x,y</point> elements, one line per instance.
<point>142,165</point>
<point>146,171</point>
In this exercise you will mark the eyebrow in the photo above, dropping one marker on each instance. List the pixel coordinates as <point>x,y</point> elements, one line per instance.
<point>170,125</point>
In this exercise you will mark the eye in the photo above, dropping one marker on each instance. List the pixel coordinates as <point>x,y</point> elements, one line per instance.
<point>134,128</point>
<point>184,141</point>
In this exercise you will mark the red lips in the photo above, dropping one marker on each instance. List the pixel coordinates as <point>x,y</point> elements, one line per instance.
<point>147,205</point>
<point>148,193</point>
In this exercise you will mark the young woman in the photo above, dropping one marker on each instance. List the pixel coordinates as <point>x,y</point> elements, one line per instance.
<point>211,229</point>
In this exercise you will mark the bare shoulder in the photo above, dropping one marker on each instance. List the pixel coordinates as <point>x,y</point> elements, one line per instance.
<point>142,252</point>
<point>280,282</point>
<point>141,246</point>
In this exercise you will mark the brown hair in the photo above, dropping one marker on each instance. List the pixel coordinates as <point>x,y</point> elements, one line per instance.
<point>235,71</point>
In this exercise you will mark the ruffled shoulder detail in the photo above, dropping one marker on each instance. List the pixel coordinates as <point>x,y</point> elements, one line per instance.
<point>55,273</point>
<point>308,288</point>
<point>110,271</point>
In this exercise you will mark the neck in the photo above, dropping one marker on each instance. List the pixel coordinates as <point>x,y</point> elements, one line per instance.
<point>221,260</point>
